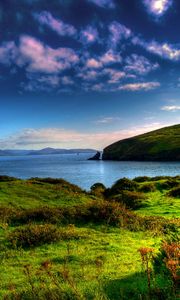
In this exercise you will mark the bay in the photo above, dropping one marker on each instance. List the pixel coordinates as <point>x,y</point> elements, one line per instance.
<point>78,170</point>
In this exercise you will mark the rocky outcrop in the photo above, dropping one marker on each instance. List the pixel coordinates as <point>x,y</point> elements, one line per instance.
<point>97,156</point>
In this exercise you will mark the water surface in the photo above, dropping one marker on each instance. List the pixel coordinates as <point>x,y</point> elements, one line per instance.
<point>77,169</point>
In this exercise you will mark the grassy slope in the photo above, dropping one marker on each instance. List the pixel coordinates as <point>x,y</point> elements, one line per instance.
<point>116,249</point>
<point>162,144</point>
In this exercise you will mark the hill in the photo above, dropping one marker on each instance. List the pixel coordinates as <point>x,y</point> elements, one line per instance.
<point>159,145</point>
<point>45,151</point>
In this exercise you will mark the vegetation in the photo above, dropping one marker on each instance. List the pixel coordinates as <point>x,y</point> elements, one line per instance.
<point>60,242</point>
<point>159,145</point>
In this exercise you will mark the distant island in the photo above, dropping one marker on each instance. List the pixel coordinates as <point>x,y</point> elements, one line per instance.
<point>45,151</point>
<point>158,145</point>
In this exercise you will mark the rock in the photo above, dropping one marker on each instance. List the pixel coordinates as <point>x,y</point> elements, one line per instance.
<point>96,156</point>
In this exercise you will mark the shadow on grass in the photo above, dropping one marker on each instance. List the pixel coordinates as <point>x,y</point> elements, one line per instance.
<point>135,287</point>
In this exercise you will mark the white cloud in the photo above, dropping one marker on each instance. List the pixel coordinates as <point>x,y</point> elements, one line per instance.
<point>8,53</point>
<point>41,58</point>
<point>118,32</point>
<point>114,75</point>
<point>61,28</point>
<point>62,138</point>
<point>164,50</point>
<point>107,120</point>
<point>89,35</point>
<point>157,7</point>
<point>171,108</point>
<point>93,63</point>
<point>145,86</point>
<point>139,64</point>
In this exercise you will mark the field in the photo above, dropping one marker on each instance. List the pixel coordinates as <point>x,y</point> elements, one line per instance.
<point>60,242</point>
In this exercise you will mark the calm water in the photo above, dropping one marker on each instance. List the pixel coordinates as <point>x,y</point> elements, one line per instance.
<point>77,169</point>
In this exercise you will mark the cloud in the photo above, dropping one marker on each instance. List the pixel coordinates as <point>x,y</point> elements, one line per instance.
<point>164,50</point>
<point>62,138</point>
<point>104,3</point>
<point>118,32</point>
<point>89,75</point>
<point>89,35</point>
<point>171,108</point>
<point>146,86</point>
<point>107,120</point>
<point>93,63</point>
<point>157,7</point>
<point>139,64</point>
<point>61,28</point>
<point>38,82</point>
<point>114,75</point>
<point>66,80</point>
<point>38,57</point>
<point>8,53</point>
<point>108,58</point>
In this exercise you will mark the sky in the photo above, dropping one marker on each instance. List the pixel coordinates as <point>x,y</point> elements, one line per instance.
<point>86,73</point>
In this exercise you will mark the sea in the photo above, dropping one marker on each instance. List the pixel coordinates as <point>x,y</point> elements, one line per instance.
<point>77,169</point>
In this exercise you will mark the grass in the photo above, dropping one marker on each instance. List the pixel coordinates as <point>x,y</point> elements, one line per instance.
<point>91,257</point>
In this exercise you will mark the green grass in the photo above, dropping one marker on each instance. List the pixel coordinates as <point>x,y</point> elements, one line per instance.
<point>27,194</point>
<point>97,261</point>
<point>158,204</point>
<point>116,248</point>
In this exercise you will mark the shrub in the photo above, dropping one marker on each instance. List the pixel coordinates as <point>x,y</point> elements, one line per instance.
<point>6,214</point>
<point>121,185</point>
<point>175,192</point>
<point>34,235</point>
<point>147,187</point>
<point>142,179</point>
<point>167,263</point>
<point>98,189</point>
<point>41,215</point>
<point>131,199</point>
<point>4,178</point>
<point>168,184</point>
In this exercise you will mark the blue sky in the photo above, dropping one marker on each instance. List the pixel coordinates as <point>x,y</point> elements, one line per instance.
<point>85,73</point>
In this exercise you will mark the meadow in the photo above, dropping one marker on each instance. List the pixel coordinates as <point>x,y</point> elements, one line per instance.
<point>61,242</point>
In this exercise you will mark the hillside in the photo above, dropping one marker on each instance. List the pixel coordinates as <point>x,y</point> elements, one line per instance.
<point>60,242</point>
<point>159,145</point>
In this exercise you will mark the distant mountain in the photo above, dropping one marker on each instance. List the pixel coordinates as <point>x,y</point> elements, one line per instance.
<point>44,151</point>
<point>48,150</point>
<point>159,145</point>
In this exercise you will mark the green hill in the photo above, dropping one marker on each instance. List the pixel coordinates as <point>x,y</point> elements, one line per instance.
<point>159,145</point>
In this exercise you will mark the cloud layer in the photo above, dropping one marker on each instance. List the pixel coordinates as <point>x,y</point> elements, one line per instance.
<point>117,63</point>
<point>61,138</point>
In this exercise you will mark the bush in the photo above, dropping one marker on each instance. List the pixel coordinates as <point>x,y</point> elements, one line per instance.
<point>6,214</point>
<point>167,263</point>
<point>4,178</point>
<point>147,187</point>
<point>34,235</point>
<point>131,199</point>
<point>121,185</point>
<point>168,184</point>
<point>142,179</point>
<point>40,215</point>
<point>98,189</point>
<point>175,192</point>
